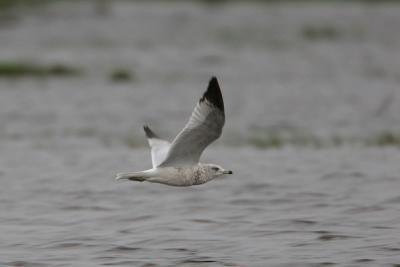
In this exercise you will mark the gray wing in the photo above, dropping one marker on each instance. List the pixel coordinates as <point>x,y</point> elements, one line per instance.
<point>204,127</point>
<point>159,147</point>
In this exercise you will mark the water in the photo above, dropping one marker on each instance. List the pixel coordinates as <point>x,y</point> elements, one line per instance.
<point>282,207</point>
<point>63,140</point>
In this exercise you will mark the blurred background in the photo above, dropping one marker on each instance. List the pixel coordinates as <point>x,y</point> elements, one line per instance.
<point>311,91</point>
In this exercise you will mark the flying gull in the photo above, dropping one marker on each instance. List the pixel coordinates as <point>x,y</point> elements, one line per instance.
<point>177,163</point>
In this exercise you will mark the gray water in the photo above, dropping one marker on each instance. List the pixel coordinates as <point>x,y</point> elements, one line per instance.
<point>63,140</point>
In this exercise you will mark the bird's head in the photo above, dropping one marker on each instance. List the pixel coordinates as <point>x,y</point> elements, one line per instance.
<point>216,170</point>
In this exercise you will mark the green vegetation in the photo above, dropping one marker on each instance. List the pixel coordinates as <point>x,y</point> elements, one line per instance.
<point>121,75</point>
<point>260,140</point>
<point>274,140</point>
<point>317,33</point>
<point>384,139</point>
<point>267,139</point>
<point>20,69</point>
<point>12,4</point>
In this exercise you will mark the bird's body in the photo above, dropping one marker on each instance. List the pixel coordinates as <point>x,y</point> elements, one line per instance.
<point>181,176</point>
<point>177,163</point>
<point>174,176</point>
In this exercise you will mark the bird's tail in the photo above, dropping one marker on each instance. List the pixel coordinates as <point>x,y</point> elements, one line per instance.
<point>133,176</point>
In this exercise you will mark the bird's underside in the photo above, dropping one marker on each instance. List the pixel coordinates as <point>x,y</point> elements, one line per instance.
<point>173,176</point>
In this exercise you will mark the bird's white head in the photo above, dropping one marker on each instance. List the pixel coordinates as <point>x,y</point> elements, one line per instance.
<point>215,170</point>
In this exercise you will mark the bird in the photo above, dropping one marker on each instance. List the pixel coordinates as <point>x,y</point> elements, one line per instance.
<point>177,163</point>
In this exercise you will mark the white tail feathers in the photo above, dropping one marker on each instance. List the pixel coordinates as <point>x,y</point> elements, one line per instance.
<point>133,176</point>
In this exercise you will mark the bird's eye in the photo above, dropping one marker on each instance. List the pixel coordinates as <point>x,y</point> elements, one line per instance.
<point>214,168</point>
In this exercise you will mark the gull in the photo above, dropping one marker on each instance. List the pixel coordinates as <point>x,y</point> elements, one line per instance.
<point>177,163</point>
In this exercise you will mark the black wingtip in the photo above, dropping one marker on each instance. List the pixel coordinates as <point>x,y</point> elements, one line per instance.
<point>213,94</point>
<point>149,132</point>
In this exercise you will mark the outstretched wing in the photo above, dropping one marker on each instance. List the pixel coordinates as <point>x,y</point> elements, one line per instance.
<point>159,147</point>
<point>204,127</point>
